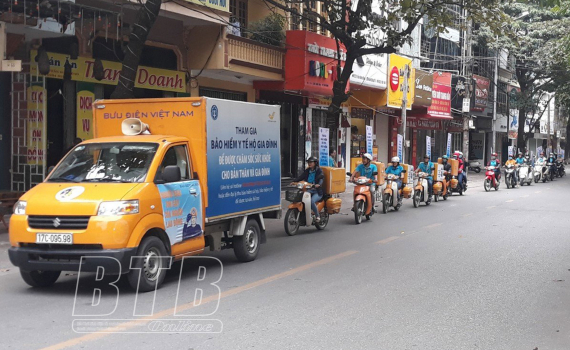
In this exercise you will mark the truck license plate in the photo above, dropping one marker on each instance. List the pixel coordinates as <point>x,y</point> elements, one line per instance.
<point>54,238</point>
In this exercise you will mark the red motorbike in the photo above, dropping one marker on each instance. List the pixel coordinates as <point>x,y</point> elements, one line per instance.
<point>490,179</point>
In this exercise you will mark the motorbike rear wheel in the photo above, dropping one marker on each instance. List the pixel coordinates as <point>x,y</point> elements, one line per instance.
<point>487,185</point>
<point>536,179</point>
<point>436,197</point>
<point>291,222</point>
<point>324,221</point>
<point>385,202</point>
<point>417,198</point>
<point>477,170</point>
<point>358,211</point>
<point>508,182</point>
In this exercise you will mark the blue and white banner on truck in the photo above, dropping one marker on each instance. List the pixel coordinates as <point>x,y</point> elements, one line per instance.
<point>244,157</point>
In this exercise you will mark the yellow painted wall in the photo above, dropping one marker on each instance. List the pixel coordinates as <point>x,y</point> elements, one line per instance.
<point>201,40</point>
<point>224,85</point>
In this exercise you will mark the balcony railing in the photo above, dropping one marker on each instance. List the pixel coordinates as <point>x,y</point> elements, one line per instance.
<point>250,53</point>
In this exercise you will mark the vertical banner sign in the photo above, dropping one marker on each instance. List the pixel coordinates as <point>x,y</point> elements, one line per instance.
<point>428,146</point>
<point>35,125</point>
<point>84,115</point>
<point>538,151</point>
<point>448,149</point>
<point>323,146</point>
<point>511,151</point>
<point>369,139</point>
<point>400,147</point>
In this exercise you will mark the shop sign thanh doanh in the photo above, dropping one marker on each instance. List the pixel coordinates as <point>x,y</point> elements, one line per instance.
<point>82,70</point>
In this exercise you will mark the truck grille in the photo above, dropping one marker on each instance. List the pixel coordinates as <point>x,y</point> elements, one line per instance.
<point>59,222</point>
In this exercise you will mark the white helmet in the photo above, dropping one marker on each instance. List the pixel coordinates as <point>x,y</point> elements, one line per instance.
<point>395,159</point>
<point>367,155</point>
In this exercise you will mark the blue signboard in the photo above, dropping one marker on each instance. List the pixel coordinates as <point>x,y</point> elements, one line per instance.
<point>243,157</point>
<point>182,210</point>
<point>323,146</point>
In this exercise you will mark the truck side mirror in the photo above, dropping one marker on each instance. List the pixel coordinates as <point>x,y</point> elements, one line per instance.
<point>171,174</point>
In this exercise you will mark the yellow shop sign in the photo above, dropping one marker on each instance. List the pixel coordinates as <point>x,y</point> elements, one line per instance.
<point>82,70</point>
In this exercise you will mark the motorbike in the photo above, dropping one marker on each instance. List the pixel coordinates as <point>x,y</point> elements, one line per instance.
<point>389,194</point>
<point>525,174</point>
<point>551,171</point>
<point>560,168</point>
<point>454,186</point>
<point>362,199</point>
<point>540,172</point>
<point>441,188</point>
<point>421,190</point>
<point>475,166</point>
<point>299,211</point>
<point>510,178</point>
<point>491,180</point>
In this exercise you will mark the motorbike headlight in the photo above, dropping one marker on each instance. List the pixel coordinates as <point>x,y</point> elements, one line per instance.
<point>300,186</point>
<point>20,208</point>
<point>118,208</point>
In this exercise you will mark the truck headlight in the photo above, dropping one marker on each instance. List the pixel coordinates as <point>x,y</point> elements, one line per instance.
<point>118,208</point>
<point>20,208</point>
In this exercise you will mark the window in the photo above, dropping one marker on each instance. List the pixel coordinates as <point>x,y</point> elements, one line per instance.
<point>178,156</point>
<point>238,8</point>
<point>223,94</point>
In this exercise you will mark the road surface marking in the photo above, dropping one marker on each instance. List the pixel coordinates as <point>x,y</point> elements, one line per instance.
<point>388,240</point>
<point>537,191</point>
<point>434,225</point>
<point>525,196</point>
<point>510,200</point>
<point>74,342</point>
<point>466,215</point>
<point>491,207</point>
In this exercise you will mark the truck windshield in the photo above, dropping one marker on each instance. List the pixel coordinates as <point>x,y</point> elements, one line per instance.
<point>106,162</point>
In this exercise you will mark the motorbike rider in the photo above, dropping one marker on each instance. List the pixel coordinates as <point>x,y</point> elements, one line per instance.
<point>520,159</point>
<point>398,170</point>
<point>514,163</point>
<point>314,175</point>
<point>446,167</point>
<point>427,167</point>
<point>462,174</point>
<point>497,164</point>
<point>552,160</point>
<point>368,170</point>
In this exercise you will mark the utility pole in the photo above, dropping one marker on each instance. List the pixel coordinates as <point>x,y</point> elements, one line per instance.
<point>466,53</point>
<point>496,84</point>
<point>549,141</point>
<point>404,110</point>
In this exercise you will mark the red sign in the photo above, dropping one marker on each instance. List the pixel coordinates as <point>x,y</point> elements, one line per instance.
<point>481,93</point>
<point>394,78</point>
<point>311,62</point>
<point>441,96</point>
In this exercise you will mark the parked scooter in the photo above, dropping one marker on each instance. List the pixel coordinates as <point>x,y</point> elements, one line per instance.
<point>510,178</point>
<point>475,166</point>
<point>525,174</point>
<point>421,190</point>
<point>491,180</point>
<point>389,194</point>
<point>299,211</point>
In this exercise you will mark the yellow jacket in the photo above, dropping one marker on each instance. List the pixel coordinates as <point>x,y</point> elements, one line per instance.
<point>511,162</point>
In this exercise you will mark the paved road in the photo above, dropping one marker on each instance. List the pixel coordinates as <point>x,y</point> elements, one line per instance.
<point>482,271</point>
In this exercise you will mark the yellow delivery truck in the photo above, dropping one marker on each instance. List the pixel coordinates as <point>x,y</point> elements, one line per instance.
<point>163,179</point>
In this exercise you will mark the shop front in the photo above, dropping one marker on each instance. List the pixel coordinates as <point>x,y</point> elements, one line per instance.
<point>427,125</point>
<point>311,62</point>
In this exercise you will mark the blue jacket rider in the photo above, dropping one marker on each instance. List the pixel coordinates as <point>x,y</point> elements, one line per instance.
<point>314,175</point>
<point>396,169</point>
<point>368,170</point>
<point>427,167</point>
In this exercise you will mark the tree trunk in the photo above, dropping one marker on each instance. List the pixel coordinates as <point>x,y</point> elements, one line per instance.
<point>139,32</point>
<point>521,137</point>
<point>567,146</point>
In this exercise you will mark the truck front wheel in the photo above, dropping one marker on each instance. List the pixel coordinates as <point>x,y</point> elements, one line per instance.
<point>40,278</point>
<point>246,246</point>
<point>150,265</point>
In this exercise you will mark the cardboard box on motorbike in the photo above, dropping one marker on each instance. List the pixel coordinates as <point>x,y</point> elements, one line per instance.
<point>408,181</point>
<point>334,183</point>
<point>381,178</point>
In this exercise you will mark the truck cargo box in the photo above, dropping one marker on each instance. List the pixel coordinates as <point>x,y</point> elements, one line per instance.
<point>234,146</point>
